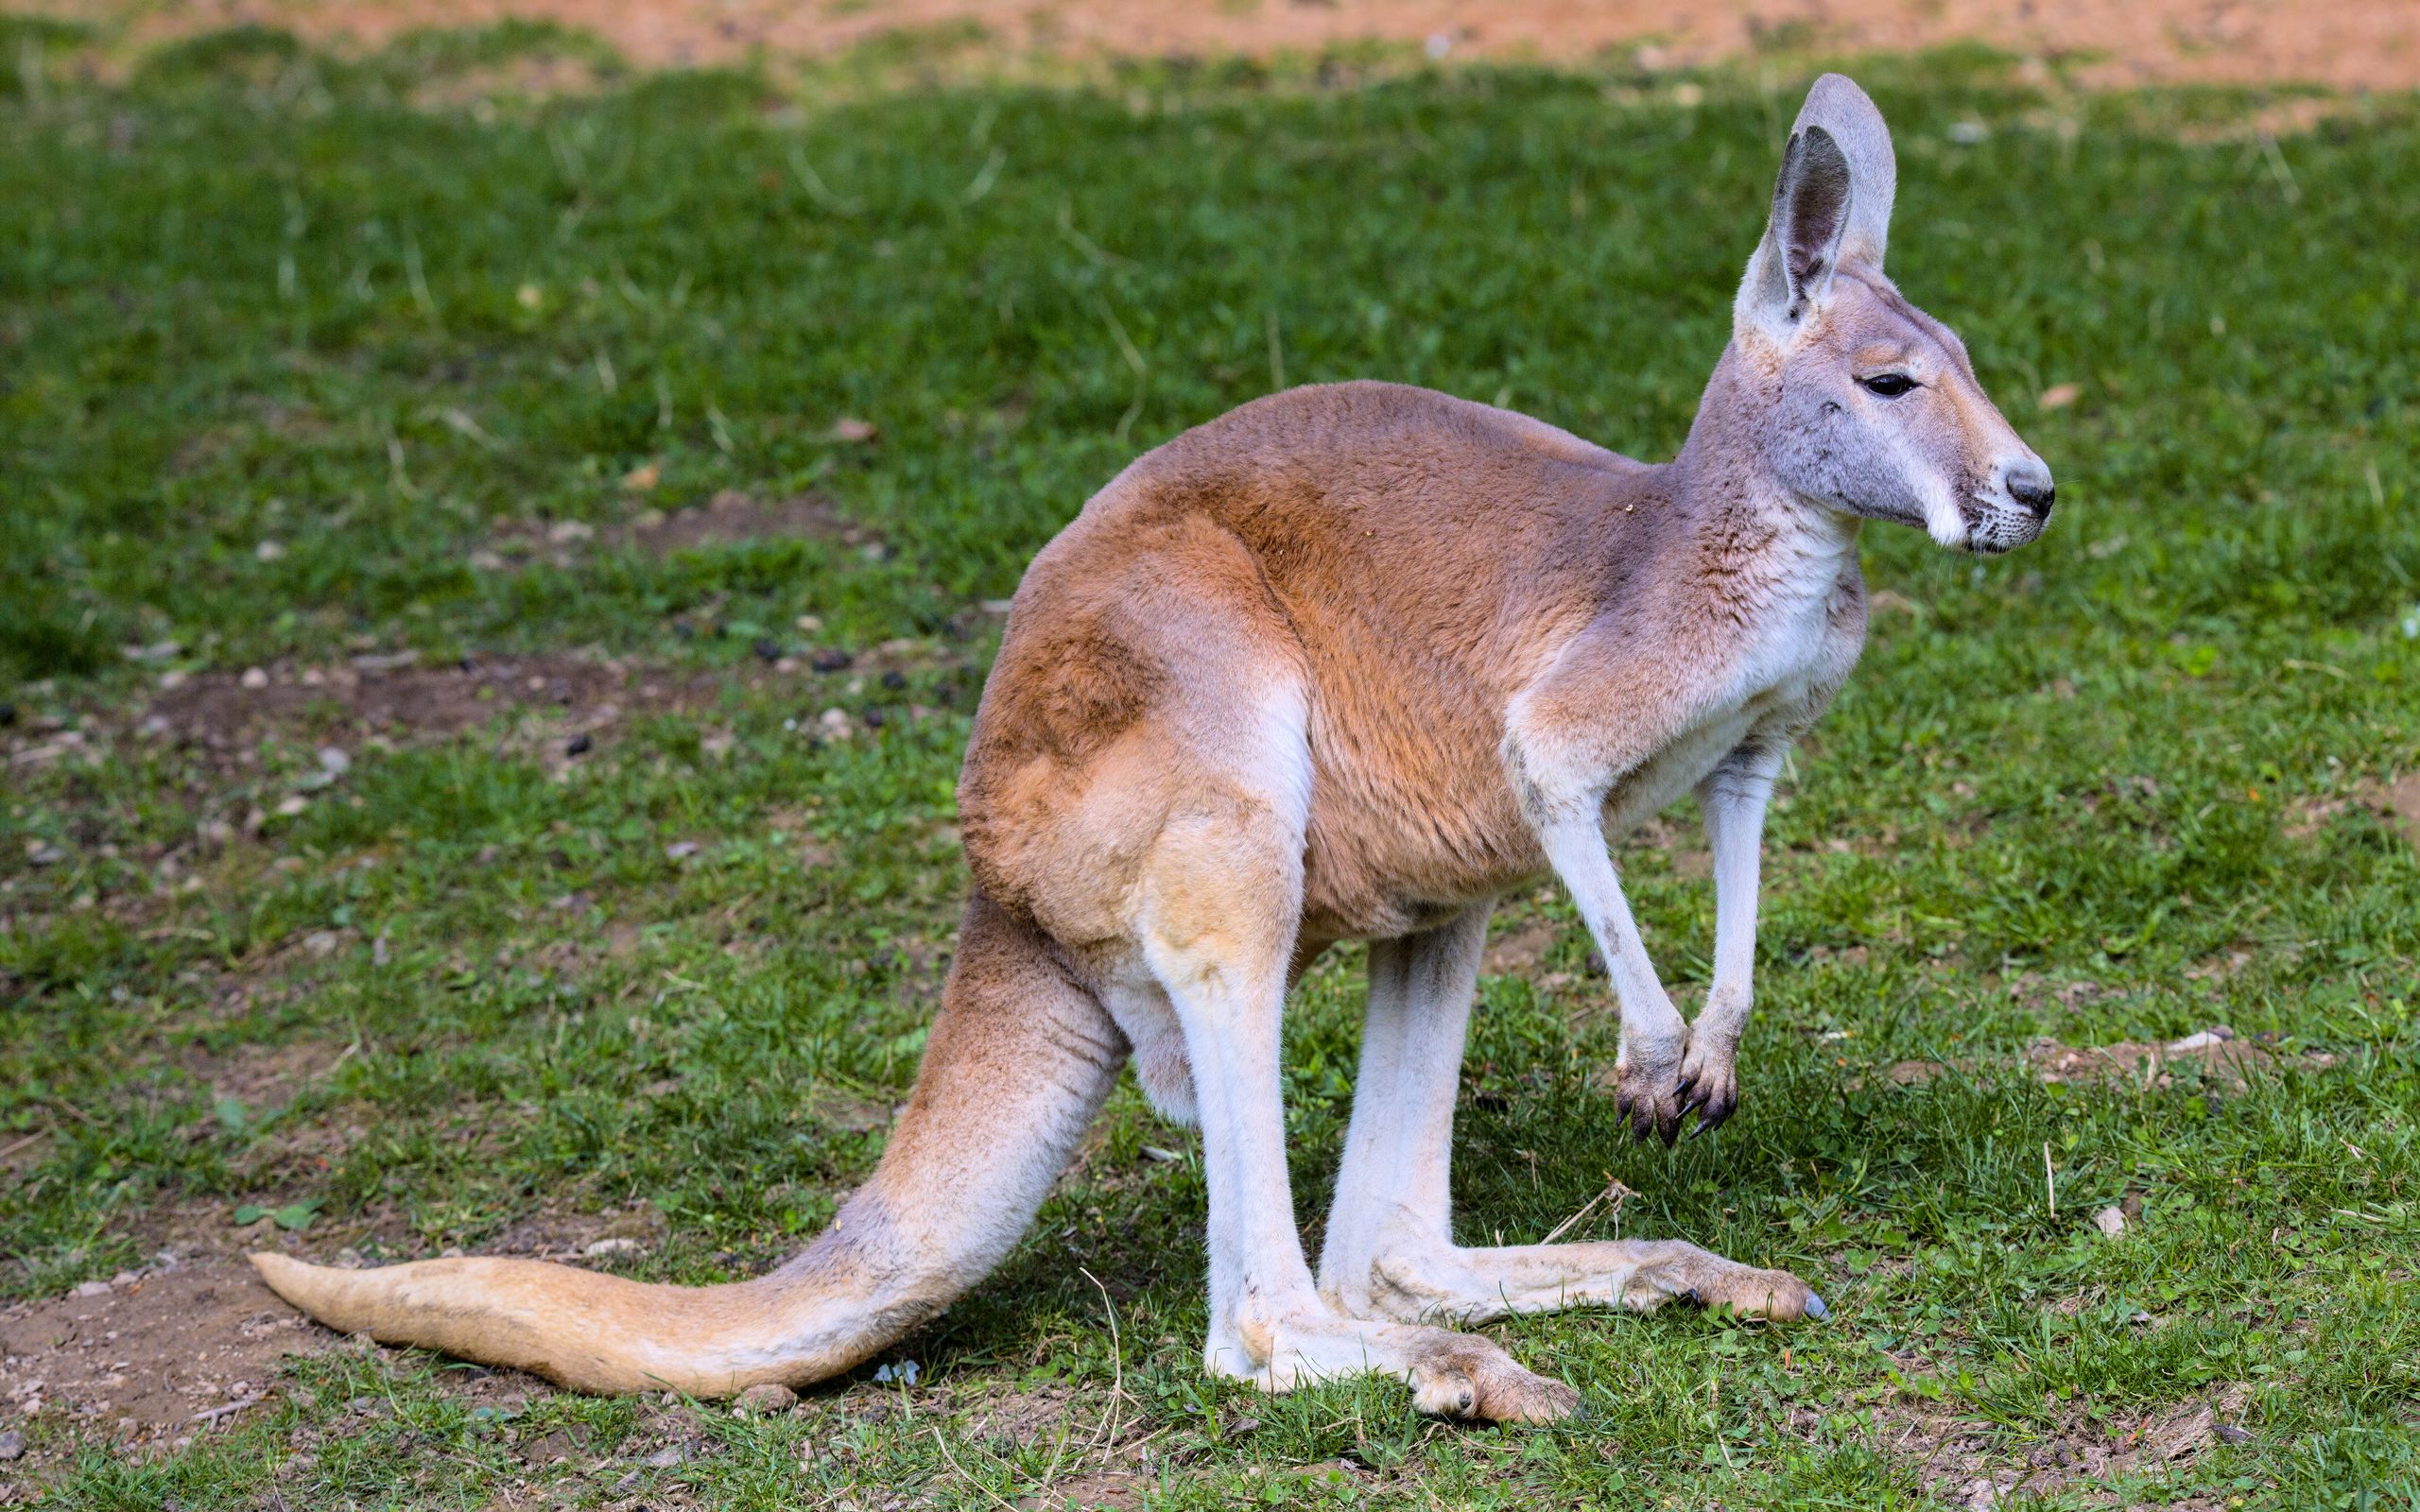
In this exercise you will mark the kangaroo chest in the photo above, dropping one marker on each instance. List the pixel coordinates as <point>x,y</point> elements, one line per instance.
<point>1781,671</point>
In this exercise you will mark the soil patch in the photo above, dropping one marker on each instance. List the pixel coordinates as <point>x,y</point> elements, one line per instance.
<point>2397,802</point>
<point>396,698</point>
<point>730,518</point>
<point>2224,1062</point>
<point>1519,953</point>
<point>263,1076</point>
<point>2351,44</point>
<point>1114,1490</point>
<point>1023,1418</point>
<point>564,1234</point>
<point>159,1356</point>
<point>1974,1463</point>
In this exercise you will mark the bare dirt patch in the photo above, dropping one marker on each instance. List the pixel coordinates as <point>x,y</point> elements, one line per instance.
<point>1976,1464</point>
<point>395,697</point>
<point>563,1233</point>
<point>2222,1060</point>
<point>151,1357</point>
<point>264,1075</point>
<point>2403,801</point>
<point>2397,802</point>
<point>2351,44</point>
<point>1113,1489</point>
<point>730,518</point>
<point>1518,953</point>
<point>1022,1417</point>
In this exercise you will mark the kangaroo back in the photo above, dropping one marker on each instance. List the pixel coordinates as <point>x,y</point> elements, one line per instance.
<point>1016,1066</point>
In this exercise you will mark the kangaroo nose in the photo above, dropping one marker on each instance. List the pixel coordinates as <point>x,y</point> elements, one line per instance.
<point>2028,484</point>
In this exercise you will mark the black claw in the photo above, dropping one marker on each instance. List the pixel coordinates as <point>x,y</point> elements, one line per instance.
<point>1705,1121</point>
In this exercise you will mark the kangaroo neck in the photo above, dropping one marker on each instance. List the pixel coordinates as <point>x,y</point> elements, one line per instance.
<point>1721,487</point>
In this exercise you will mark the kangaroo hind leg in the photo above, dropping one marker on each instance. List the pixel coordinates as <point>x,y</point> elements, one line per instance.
<point>1221,900</point>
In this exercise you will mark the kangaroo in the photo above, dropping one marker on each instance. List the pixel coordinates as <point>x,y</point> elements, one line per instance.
<point>1349,663</point>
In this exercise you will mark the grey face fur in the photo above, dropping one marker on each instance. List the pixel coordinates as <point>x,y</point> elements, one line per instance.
<point>1876,409</point>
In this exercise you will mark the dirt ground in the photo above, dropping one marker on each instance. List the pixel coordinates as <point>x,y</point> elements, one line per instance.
<point>2349,43</point>
<point>163,1353</point>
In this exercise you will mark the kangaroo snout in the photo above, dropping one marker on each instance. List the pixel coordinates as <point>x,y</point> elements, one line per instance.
<point>2028,482</point>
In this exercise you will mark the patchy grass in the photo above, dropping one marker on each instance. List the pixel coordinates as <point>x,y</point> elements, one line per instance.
<point>495,592</point>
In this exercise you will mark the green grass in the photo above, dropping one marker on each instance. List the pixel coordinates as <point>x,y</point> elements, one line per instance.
<point>256,295</point>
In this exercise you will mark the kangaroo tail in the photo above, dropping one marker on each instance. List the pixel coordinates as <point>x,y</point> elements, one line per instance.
<point>1018,1062</point>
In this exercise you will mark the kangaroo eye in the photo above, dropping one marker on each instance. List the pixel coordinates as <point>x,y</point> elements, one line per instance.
<point>1888,385</point>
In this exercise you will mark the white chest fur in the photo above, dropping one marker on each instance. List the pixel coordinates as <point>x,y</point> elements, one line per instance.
<point>1777,670</point>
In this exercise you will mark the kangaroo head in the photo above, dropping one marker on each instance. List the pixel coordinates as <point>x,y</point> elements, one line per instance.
<point>1874,408</point>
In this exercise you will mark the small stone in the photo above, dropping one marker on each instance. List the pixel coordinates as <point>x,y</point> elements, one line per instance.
<point>894,680</point>
<point>681,850</point>
<point>2232,1434</point>
<point>809,623</point>
<point>93,1289</point>
<point>768,650</point>
<point>612,1246</point>
<point>769,1399</point>
<point>834,723</point>
<point>254,677</point>
<point>12,1444</point>
<point>579,745</point>
<point>850,429</point>
<point>269,551</point>
<point>289,807</point>
<point>831,658</point>
<point>43,854</point>
<point>2110,1221</point>
<point>333,761</point>
<point>665,1458</point>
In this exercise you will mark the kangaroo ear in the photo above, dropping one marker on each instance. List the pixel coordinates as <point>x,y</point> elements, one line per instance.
<point>1832,201</point>
<point>1844,114</point>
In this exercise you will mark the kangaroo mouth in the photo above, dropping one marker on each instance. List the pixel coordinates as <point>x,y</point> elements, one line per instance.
<point>1997,526</point>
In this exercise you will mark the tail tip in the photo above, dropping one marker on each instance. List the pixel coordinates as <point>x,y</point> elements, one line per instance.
<point>282,1273</point>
